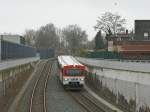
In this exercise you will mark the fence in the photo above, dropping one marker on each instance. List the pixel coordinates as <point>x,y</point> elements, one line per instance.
<point>46,53</point>
<point>104,55</point>
<point>9,50</point>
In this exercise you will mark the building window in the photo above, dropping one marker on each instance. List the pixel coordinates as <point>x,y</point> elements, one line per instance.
<point>146,35</point>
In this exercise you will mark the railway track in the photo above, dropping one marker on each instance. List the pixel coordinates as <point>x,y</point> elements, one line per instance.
<point>38,96</point>
<point>86,101</point>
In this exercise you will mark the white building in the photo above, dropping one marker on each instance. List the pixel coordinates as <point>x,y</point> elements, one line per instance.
<point>13,38</point>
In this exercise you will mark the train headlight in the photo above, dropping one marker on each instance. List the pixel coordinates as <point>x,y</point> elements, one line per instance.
<point>65,79</point>
<point>82,79</point>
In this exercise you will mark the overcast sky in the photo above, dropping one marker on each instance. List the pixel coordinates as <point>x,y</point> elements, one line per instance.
<point>18,15</point>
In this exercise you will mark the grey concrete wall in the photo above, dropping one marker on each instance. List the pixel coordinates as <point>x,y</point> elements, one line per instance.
<point>10,75</point>
<point>132,83</point>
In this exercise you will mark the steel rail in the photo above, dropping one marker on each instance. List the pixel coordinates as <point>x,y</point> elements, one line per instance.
<point>85,102</point>
<point>45,86</point>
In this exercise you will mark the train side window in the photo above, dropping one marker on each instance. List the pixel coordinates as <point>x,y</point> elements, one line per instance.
<point>84,72</point>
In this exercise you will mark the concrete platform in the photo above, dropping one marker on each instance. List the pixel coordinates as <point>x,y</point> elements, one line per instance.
<point>118,65</point>
<point>13,63</point>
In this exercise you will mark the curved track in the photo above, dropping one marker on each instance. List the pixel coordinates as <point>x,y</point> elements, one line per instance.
<point>38,97</point>
<point>86,100</point>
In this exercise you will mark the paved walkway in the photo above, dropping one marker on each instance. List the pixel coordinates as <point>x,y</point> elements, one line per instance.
<point>102,100</point>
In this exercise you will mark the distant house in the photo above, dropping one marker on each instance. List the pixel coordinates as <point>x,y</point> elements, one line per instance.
<point>131,49</point>
<point>142,30</point>
<point>118,38</point>
<point>13,38</point>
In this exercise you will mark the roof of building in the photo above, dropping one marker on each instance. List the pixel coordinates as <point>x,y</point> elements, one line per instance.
<point>121,35</point>
<point>142,20</point>
<point>11,35</point>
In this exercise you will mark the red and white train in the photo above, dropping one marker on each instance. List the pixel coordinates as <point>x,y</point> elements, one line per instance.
<point>72,73</point>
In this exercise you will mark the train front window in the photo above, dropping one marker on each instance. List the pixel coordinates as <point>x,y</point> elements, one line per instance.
<point>73,72</point>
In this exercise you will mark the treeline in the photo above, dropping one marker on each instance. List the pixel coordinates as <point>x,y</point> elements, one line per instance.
<point>71,39</point>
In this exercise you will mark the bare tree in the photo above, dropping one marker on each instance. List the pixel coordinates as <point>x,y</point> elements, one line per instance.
<point>75,38</point>
<point>47,37</point>
<point>30,36</point>
<point>110,23</point>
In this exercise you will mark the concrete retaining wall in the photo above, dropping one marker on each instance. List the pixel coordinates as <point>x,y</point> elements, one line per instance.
<point>10,74</point>
<point>132,83</point>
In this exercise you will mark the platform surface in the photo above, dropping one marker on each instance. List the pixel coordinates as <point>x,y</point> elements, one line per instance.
<point>12,63</point>
<point>119,65</point>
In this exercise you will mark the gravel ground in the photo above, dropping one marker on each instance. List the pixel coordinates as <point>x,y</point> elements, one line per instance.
<point>23,104</point>
<point>13,90</point>
<point>58,100</point>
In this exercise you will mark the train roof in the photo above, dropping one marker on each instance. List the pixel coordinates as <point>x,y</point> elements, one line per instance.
<point>66,60</point>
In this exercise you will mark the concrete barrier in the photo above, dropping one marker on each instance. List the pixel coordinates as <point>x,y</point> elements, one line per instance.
<point>12,70</point>
<point>127,82</point>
